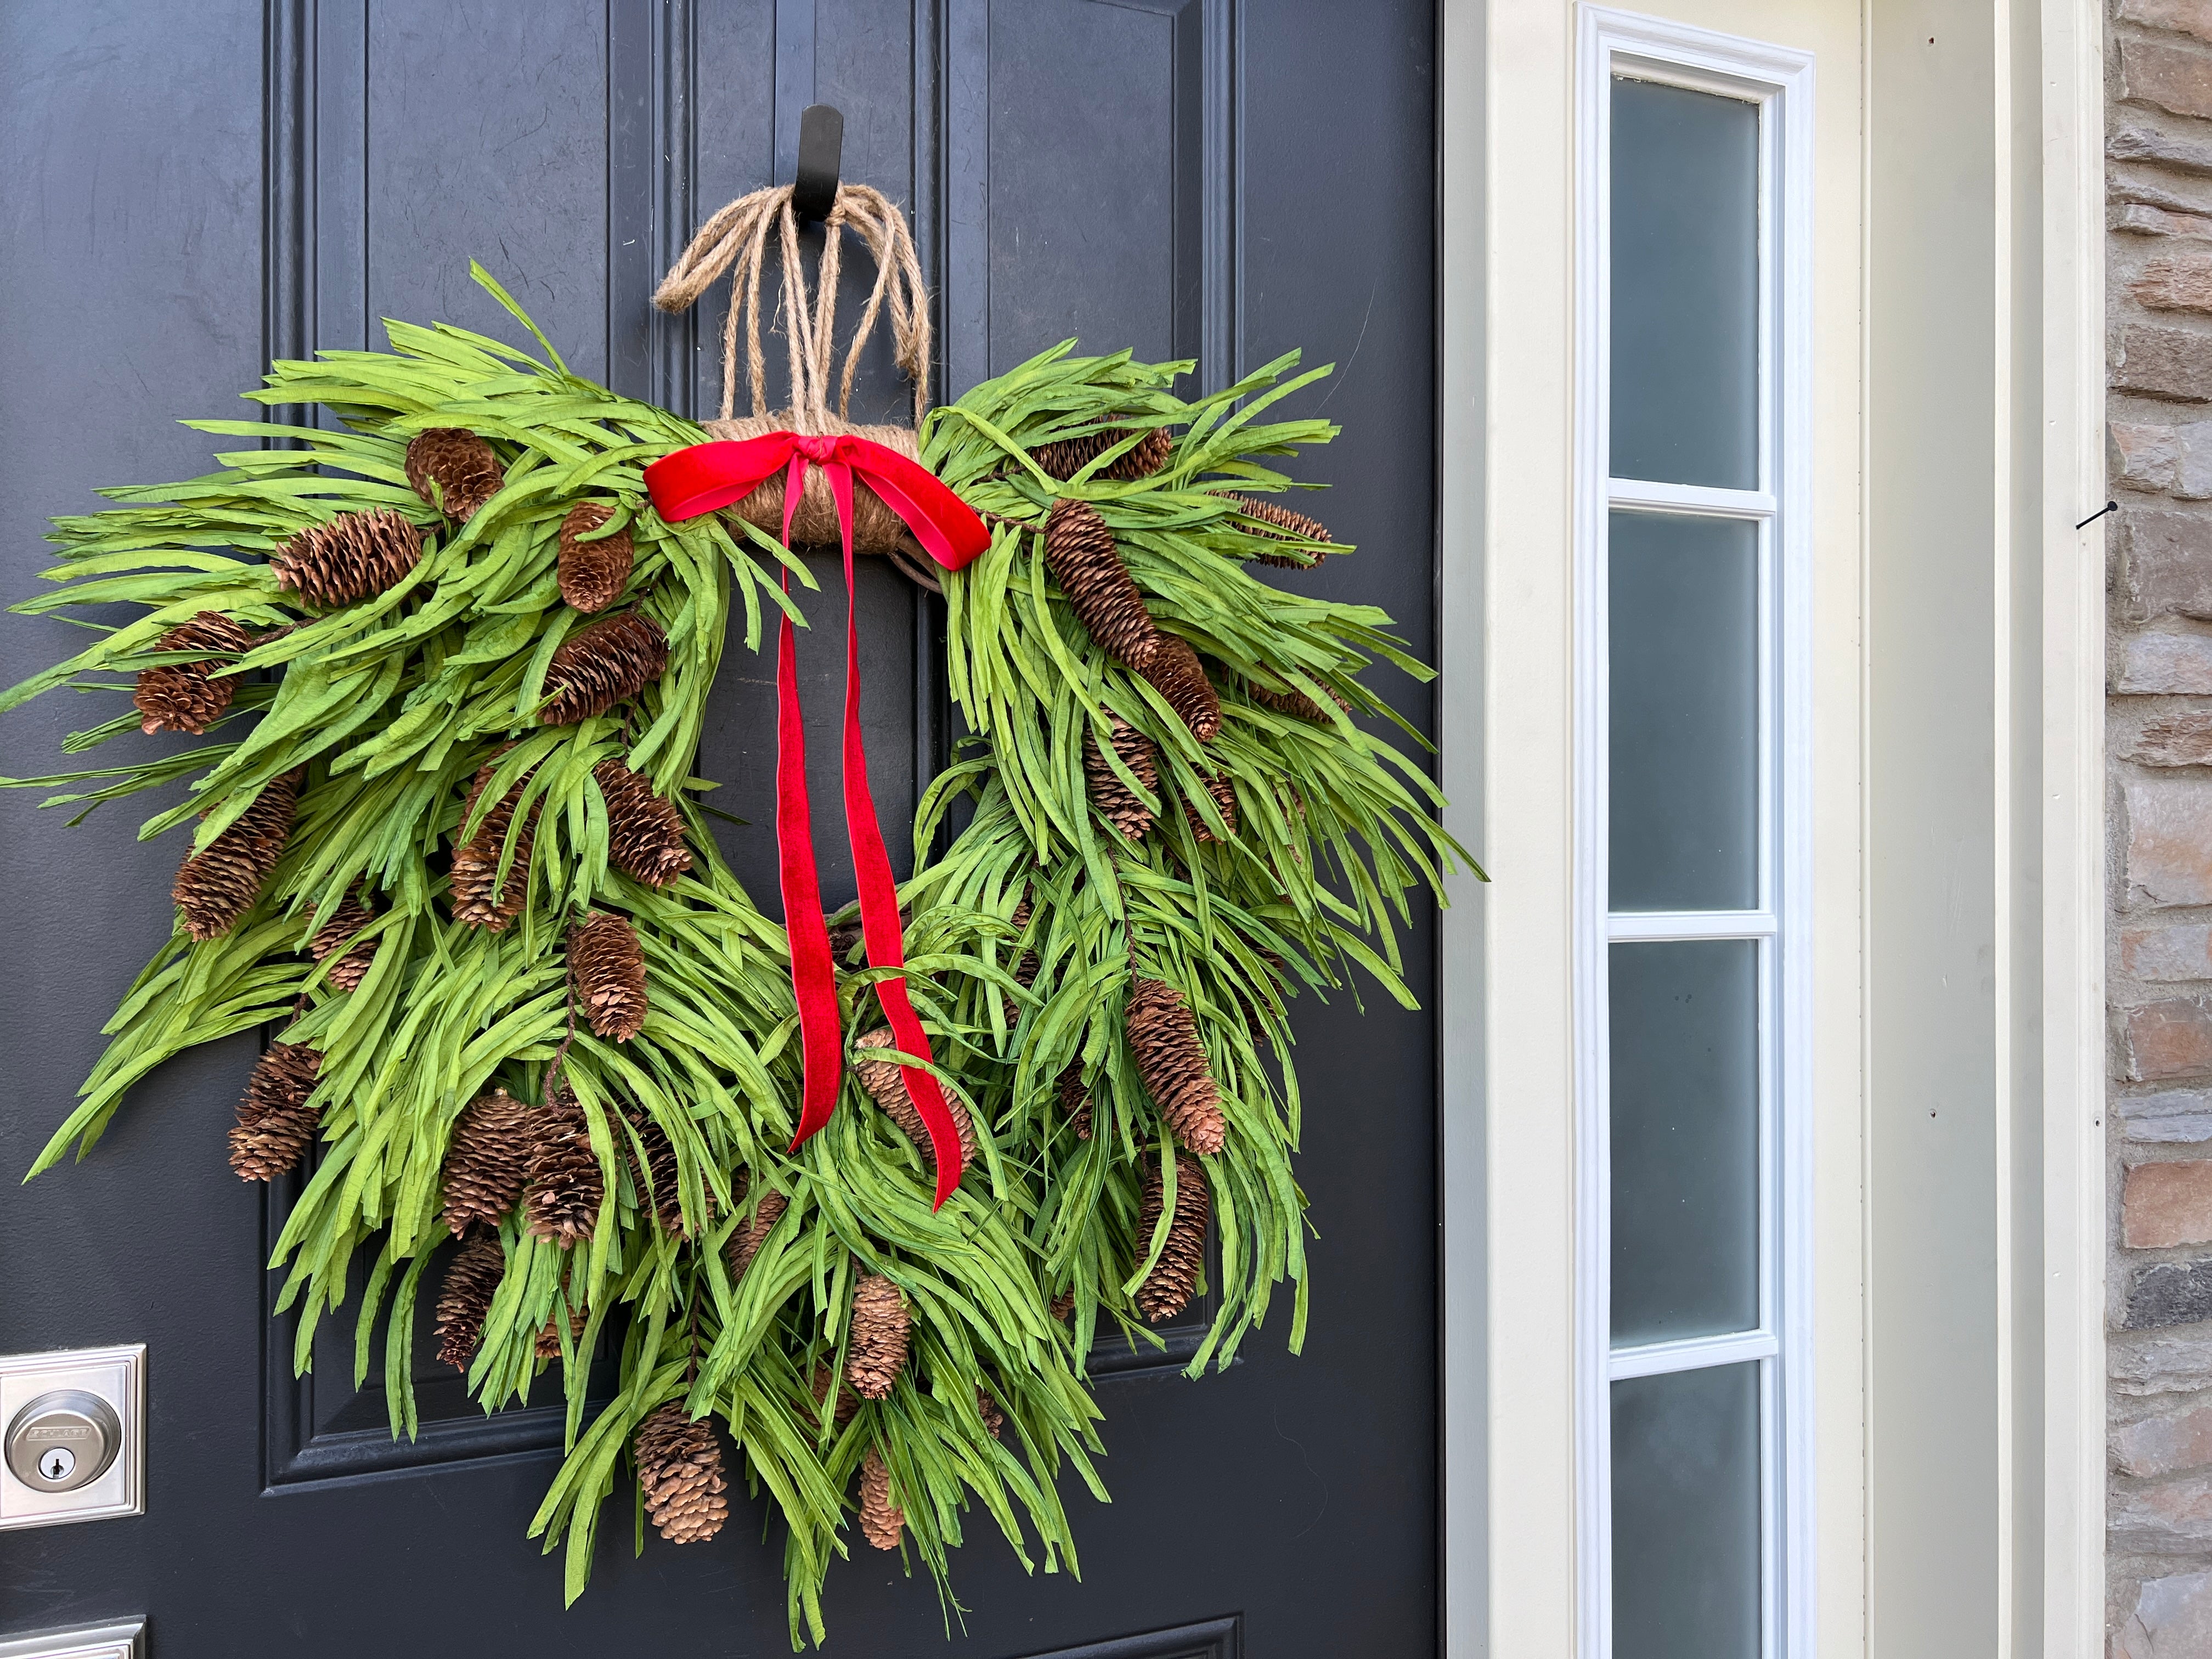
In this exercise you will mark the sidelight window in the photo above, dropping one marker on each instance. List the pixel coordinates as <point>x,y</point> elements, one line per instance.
<point>1691,778</point>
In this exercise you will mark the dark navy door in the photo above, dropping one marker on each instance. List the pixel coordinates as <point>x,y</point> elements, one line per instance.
<point>188,190</point>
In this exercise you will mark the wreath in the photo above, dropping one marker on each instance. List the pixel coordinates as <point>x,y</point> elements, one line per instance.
<point>452,647</point>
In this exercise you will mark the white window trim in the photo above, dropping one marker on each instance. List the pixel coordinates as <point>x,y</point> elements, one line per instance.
<point>1781,79</point>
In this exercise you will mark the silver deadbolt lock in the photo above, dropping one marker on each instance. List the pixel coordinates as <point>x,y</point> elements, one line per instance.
<point>62,1440</point>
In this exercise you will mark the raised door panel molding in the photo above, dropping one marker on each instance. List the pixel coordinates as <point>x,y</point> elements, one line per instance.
<point>1215,1638</point>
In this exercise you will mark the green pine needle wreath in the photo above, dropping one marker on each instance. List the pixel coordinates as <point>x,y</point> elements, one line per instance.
<point>1285,851</point>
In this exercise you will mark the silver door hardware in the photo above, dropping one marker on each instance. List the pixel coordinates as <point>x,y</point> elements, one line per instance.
<point>123,1640</point>
<point>74,1439</point>
<point>62,1440</point>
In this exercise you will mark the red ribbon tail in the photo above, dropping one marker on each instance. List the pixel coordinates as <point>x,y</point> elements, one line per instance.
<point>813,979</point>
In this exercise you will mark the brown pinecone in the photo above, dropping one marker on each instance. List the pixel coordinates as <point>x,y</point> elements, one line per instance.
<point>1280,524</point>
<point>645,833</point>
<point>679,1467</point>
<point>667,1196</point>
<point>1080,550</point>
<point>471,1281</point>
<point>993,1413</point>
<point>882,1521</point>
<point>876,1352</point>
<point>886,1081</point>
<point>487,1161</point>
<point>334,938</point>
<point>606,970</point>
<point>1027,965</point>
<point>848,1403</point>
<point>1177,675</point>
<point>355,555</point>
<point>547,1346</point>
<point>566,1185</point>
<point>475,861</point>
<point>1224,801</point>
<point>1115,801</point>
<point>218,884</point>
<point>1296,704</point>
<point>1167,1289</point>
<point>1065,457</point>
<point>1075,1099</point>
<point>601,663</point>
<point>275,1126</point>
<point>454,471</point>
<point>745,1242</point>
<point>178,696</point>
<point>1172,1061</point>
<point>593,573</point>
<point>1063,1304</point>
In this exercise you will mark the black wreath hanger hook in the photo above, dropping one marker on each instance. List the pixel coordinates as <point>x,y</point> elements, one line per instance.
<point>820,151</point>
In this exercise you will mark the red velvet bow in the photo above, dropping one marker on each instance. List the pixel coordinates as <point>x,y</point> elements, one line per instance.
<point>698,480</point>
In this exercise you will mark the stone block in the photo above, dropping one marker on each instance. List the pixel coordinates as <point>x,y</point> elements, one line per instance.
<point>2167,76</point>
<point>2176,1116</point>
<point>2164,1040</point>
<point>2165,564</point>
<point>2163,1205</point>
<point>2167,1444</point>
<point>2160,1361</point>
<point>2163,664</point>
<point>2179,950</point>
<point>2172,1619</point>
<point>2174,1518</point>
<point>2183,16</point>
<point>2169,839</point>
<point>2176,281</point>
<point>2179,740</point>
<point>2160,148</point>
<point>2163,363</point>
<point>2158,219</point>
<point>2169,1293</point>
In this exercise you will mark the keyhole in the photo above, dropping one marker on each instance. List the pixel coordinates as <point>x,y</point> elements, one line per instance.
<point>58,1464</point>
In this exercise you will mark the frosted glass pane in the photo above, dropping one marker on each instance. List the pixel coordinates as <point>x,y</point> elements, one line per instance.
<point>1685,1515</point>
<point>1685,286</point>
<point>1684,600</point>
<point>1684,1139</point>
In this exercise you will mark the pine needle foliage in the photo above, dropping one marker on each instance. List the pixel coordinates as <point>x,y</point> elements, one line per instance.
<point>1279,856</point>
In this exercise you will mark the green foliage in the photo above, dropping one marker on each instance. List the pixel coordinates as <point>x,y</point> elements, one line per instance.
<point>393,704</point>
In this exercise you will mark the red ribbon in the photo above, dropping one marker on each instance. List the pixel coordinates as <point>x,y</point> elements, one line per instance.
<point>699,479</point>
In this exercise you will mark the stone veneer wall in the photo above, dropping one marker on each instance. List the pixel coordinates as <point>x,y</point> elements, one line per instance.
<point>2159,726</point>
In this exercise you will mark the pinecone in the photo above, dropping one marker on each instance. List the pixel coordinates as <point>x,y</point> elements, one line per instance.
<point>645,833</point>
<point>475,861</point>
<point>1280,524</point>
<point>218,884</point>
<point>471,1281</point>
<point>1027,965</point>
<point>566,1185</point>
<point>606,969</point>
<point>745,1242</point>
<point>334,938</point>
<point>1115,801</point>
<point>454,471</point>
<point>1062,1305</point>
<point>679,1468</point>
<point>180,696</point>
<point>601,663</point>
<point>1075,1099</point>
<point>1172,1061</point>
<point>1296,704</point>
<point>993,1413</point>
<point>1177,675</point>
<point>487,1161</point>
<point>886,1081</point>
<point>547,1346</point>
<point>1080,549</point>
<point>593,573</point>
<point>848,1403</point>
<point>1065,457</point>
<point>844,939</point>
<point>1167,1288</point>
<point>275,1126</point>
<point>876,1352</point>
<point>660,1170</point>
<point>355,555</point>
<point>882,1521</point>
<point>1224,802</point>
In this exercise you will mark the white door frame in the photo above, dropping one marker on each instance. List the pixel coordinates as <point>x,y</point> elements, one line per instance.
<point>1509,408</point>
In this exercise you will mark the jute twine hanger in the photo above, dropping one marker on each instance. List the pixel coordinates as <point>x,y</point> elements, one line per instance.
<point>736,239</point>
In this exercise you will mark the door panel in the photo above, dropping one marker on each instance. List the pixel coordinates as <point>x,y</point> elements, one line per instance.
<point>199,188</point>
